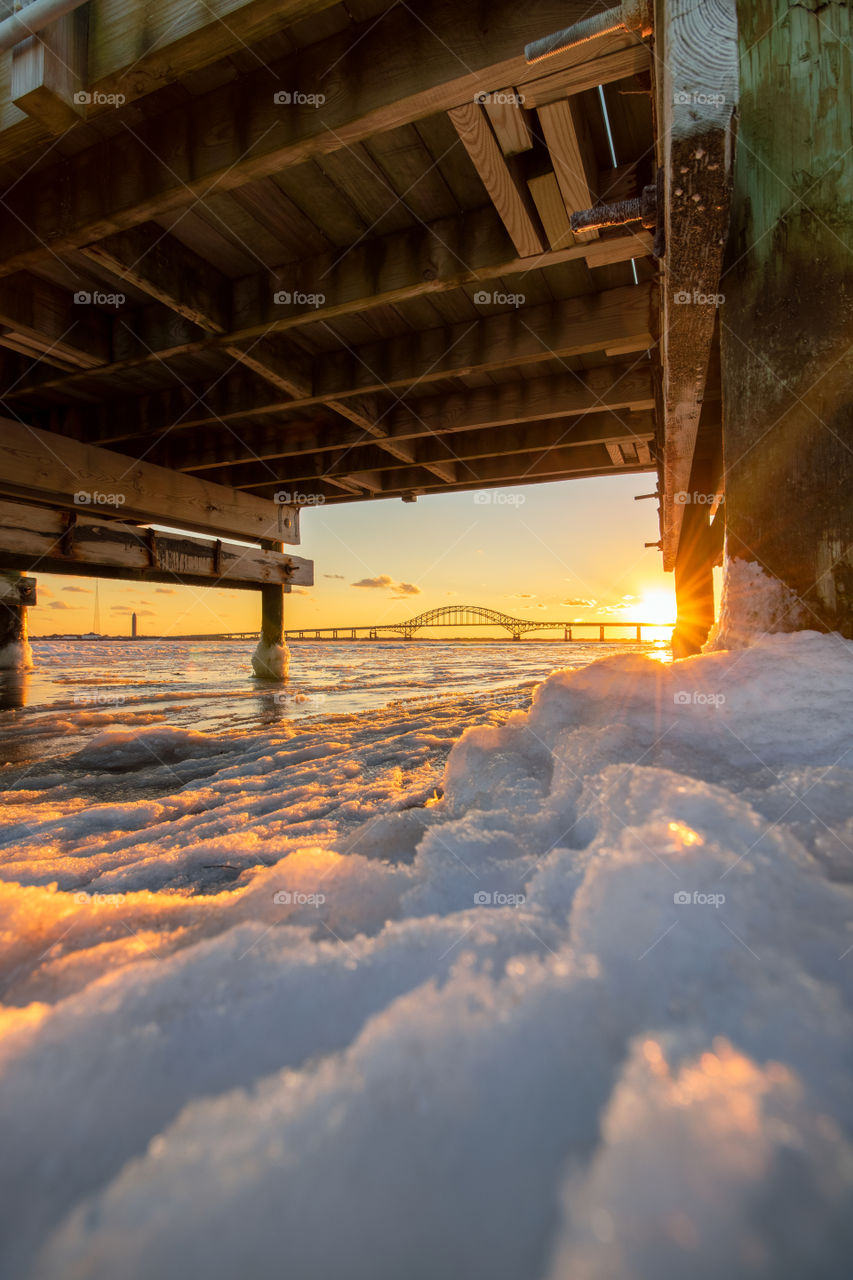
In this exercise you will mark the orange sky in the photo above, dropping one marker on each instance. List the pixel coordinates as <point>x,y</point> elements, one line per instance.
<point>541,551</point>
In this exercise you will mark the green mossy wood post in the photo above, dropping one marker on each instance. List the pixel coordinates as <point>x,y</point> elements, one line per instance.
<point>13,619</point>
<point>787,321</point>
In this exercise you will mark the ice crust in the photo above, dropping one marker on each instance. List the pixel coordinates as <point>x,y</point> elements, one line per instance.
<point>280,1011</point>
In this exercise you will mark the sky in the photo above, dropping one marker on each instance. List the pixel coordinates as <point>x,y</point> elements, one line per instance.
<point>567,551</point>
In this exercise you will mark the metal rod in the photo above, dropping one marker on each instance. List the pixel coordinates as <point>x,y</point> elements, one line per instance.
<point>34,18</point>
<point>600,24</point>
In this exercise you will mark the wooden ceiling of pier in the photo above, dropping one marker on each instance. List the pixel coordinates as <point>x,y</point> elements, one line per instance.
<point>373,295</point>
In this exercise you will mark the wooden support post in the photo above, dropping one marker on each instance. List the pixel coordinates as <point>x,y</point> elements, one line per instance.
<point>271,657</point>
<point>694,583</point>
<point>787,370</point>
<point>16,592</point>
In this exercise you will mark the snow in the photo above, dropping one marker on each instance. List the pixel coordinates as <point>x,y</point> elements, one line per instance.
<point>270,661</point>
<point>753,604</point>
<point>16,655</point>
<point>558,993</point>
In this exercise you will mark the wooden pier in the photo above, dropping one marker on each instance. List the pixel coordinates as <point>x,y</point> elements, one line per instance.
<point>258,257</point>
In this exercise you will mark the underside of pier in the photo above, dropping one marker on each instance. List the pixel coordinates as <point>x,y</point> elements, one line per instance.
<point>261,255</point>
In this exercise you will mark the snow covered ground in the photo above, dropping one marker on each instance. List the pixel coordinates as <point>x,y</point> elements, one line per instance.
<point>274,1006</point>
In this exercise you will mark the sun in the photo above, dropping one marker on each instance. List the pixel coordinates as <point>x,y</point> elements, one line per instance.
<point>656,607</point>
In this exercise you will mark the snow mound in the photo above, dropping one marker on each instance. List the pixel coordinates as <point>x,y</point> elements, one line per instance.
<point>586,1017</point>
<point>270,661</point>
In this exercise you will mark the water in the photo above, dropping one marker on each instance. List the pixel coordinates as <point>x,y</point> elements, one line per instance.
<point>80,688</point>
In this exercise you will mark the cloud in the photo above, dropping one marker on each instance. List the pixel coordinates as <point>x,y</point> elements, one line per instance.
<point>164,591</point>
<point>337,575</point>
<point>569,603</point>
<point>83,591</point>
<point>382,581</point>
<point>523,595</point>
<point>299,591</point>
<point>58,604</point>
<point>399,590</point>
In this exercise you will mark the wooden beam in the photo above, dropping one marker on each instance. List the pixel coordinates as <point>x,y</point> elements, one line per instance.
<point>573,327</point>
<point>556,463</point>
<point>443,256</point>
<point>572,156</point>
<point>65,473</point>
<point>696,70</point>
<point>238,132</point>
<point>33,537</point>
<point>67,328</point>
<point>587,75</point>
<point>449,459</point>
<point>509,120</point>
<point>548,199</point>
<point>50,71</point>
<point>527,400</point>
<point>150,259</point>
<point>506,188</point>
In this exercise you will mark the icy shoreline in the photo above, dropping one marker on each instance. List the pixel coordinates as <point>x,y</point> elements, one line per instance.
<point>587,1016</point>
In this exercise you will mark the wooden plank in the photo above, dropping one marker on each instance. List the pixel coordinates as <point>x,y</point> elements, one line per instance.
<point>150,259</point>
<point>59,542</point>
<point>548,199</point>
<point>587,75</point>
<point>509,120</point>
<point>238,132</point>
<point>506,189</point>
<point>571,155</point>
<point>65,473</point>
<point>50,71</point>
<point>281,365</point>
<point>696,68</point>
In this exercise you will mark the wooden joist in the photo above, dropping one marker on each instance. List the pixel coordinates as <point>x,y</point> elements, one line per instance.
<point>511,403</point>
<point>502,181</point>
<point>587,75</point>
<point>238,132</point>
<point>568,141</point>
<point>64,328</point>
<point>444,255</point>
<point>449,459</point>
<point>54,470</point>
<point>51,541</point>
